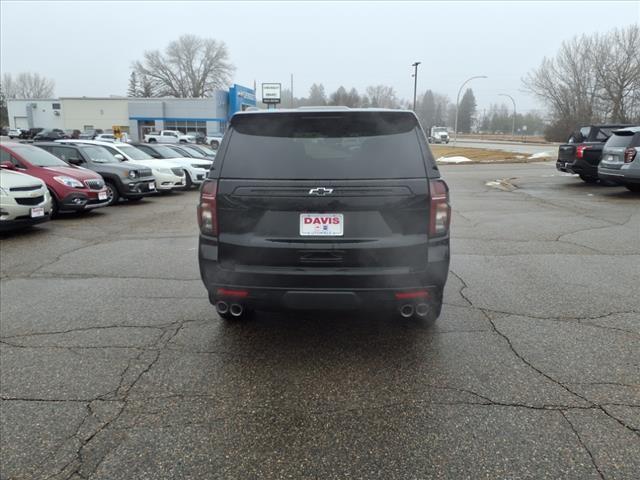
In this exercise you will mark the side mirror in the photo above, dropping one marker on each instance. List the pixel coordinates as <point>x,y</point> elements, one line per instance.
<point>119,156</point>
<point>7,165</point>
<point>75,161</point>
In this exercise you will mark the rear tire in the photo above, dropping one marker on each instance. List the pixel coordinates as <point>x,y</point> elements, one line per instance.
<point>112,193</point>
<point>632,187</point>
<point>586,179</point>
<point>188,183</point>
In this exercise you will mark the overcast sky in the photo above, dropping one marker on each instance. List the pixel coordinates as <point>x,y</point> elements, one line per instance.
<point>88,47</point>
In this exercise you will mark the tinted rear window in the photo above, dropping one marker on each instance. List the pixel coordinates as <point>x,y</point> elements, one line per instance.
<point>327,145</point>
<point>622,139</point>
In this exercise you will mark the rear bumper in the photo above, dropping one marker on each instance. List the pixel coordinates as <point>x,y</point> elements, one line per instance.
<point>584,168</point>
<point>322,288</point>
<point>564,166</point>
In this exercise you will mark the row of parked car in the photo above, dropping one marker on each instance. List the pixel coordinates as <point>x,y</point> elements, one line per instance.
<point>40,180</point>
<point>164,136</point>
<point>608,154</point>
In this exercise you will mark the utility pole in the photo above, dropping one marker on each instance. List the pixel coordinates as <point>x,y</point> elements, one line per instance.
<point>513,124</point>
<point>292,90</point>
<point>415,82</point>
<point>455,128</point>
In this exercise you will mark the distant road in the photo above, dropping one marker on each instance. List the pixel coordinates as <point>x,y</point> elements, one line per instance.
<point>527,148</point>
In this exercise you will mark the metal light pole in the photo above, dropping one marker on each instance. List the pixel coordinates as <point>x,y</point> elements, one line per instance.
<point>455,128</point>
<point>513,125</point>
<point>415,82</point>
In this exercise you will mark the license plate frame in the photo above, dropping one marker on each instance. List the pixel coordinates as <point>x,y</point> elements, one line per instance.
<point>321,225</point>
<point>36,212</point>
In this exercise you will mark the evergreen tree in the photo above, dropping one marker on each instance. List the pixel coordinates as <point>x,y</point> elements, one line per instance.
<point>133,90</point>
<point>317,97</point>
<point>466,111</point>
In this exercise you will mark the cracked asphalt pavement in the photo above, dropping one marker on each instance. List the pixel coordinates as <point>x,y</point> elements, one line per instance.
<point>113,365</point>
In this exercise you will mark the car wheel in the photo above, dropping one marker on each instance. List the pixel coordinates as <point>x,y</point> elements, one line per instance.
<point>112,193</point>
<point>135,199</point>
<point>633,187</point>
<point>188,183</point>
<point>54,205</point>
<point>182,141</point>
<point>586,179</point>
<point>214,144</point>
<point>153,140</point>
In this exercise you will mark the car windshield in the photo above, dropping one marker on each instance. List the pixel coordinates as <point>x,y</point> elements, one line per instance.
<point>99,154</point>
<point>166,152</point>
<point>134,153</point>
<point>192,151</point>
<point>38,157</point>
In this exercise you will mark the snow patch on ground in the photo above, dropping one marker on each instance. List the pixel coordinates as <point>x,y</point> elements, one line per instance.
<point>453,160</point>
<point>541,155</point>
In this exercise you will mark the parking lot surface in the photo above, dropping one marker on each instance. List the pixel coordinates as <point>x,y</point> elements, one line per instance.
<point>115,366</point>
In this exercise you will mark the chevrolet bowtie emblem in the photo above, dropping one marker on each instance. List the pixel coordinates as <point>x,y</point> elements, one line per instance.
<point>321,191</point>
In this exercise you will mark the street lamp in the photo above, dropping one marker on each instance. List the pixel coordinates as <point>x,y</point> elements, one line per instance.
<point>513,125</point>
<point>415,82</point>
<point>455,133</point>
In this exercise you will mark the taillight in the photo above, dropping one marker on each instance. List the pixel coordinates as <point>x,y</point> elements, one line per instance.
<point>208,208</point>
<point>629,155</point>
<point>580,150</point>
<point>440,211</point>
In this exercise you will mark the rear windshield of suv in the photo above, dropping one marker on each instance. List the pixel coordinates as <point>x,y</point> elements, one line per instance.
<point>313,145</point>
<point>621,139</point>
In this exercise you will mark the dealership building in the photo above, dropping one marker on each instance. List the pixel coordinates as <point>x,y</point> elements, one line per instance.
<point>137,116</point>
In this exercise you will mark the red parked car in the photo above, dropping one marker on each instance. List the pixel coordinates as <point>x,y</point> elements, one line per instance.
<point>73,189</point>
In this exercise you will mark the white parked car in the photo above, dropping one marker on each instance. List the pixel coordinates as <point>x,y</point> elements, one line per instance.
<point>168,175</point>
<point>196,169</point>
<point>14,133</point>
<point>105,137</point>
<point>169,136</point>
<point>214,141</point>
<point>24,200</point>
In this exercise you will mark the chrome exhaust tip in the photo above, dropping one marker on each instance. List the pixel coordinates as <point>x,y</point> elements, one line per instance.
<point>422,309</point>
<point>222,307</point>
<point>236,309</point>
<point>406,310</point>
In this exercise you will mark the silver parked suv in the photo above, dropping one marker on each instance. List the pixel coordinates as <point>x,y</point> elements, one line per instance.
<point>621,158</point>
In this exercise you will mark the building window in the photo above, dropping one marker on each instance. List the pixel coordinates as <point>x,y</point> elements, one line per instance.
<point>186,126</point>
<point>55,106</point>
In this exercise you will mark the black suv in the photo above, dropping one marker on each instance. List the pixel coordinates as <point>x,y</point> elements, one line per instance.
<point>583,151</point>
<point>121,179</point>
<point>314,209</point>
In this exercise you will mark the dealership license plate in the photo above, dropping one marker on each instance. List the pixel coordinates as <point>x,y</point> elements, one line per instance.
<point>102,195</point>
<point>37,212</point>
<point>322,224</point>
<point>152,186</point>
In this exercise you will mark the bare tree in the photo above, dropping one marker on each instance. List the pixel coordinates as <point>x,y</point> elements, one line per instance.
<point>616,61</point>
<point>382,96</point>
<point>189,67</point>
<point>27,85</point>
<point>592,78</point>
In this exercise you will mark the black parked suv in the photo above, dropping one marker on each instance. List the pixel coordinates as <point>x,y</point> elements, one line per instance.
<point>49,135</point>
<point>583,151</point>
<point>336,209</point>
<point>121,179</point>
